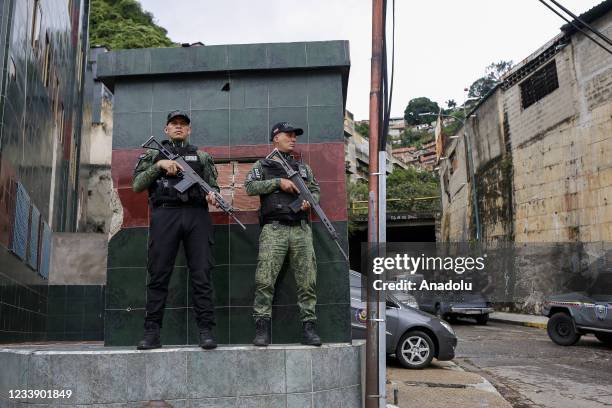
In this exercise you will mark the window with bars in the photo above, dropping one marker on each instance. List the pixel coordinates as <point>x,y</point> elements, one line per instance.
<point>21,223</point>
<point>539,84</point>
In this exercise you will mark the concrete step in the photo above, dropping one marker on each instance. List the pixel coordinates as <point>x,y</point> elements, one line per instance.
<point>118,377</point>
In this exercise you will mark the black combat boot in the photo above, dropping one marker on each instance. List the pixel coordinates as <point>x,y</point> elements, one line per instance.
<point>262,332</point>
<point>309,336</point>
<point>151,337</point>
<point>207,340</point>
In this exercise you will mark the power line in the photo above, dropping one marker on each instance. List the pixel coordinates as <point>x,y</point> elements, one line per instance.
<point>387,88</point>
<point>584,23</point>
<point>575,26</point>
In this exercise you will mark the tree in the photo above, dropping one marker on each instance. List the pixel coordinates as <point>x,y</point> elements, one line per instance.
<point>120,24</point>
<point>417,138</point>
<point>411,183</point>
<point>481,87</point>
<point>406,184</point>
<point>356,191</point>
<point>363,129</point>
<point>420,105</point>
<point>493,74</point>
<point>451,104</point>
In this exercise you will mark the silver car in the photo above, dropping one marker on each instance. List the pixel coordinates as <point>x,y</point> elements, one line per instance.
<point>413,336</point>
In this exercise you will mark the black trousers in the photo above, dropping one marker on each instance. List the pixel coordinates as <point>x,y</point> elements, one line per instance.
<point>169,227</point>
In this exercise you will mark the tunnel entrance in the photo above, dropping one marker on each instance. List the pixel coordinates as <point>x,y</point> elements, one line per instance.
<point>400,233</point>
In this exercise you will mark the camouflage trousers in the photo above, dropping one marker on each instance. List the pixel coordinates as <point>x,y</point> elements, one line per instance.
<point>275,243</point>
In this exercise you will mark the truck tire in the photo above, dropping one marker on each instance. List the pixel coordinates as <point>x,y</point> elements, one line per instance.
<point>482,319</point>
<point>561,329</point>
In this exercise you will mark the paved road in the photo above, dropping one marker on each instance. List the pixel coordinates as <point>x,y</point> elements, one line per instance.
<point>531,371</point>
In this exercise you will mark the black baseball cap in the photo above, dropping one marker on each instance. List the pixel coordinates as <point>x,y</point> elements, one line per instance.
<point>177,113</point>
<point>284,127</point>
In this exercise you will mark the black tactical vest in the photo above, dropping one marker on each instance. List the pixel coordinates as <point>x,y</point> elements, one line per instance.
<point>275,206</point>
<point>162,191</point>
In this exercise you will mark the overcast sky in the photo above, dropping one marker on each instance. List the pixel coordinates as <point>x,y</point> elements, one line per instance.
<point>442,46</point>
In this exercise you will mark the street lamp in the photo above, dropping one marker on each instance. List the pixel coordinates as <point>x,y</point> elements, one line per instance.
<point>468,149</point>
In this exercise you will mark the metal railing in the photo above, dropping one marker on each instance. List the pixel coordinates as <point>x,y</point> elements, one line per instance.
<point>415,204</point>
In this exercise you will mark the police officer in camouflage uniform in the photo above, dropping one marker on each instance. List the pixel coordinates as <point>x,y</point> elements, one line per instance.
<point>284,234</point>
<point>177,217</point>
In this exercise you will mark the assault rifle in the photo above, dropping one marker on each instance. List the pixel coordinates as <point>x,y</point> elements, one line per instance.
<point>305,194</point>
<point>190,177</point>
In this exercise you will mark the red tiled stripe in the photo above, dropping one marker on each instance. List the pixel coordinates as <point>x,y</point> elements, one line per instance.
<point>325,159</point>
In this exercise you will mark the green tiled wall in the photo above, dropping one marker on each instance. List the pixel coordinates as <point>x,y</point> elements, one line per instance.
<point>241,116</point>
<point>234,287</point>
<point>28,129</point>
<point>224,58</point>
<point>75,313</point>
<point>303,83</point>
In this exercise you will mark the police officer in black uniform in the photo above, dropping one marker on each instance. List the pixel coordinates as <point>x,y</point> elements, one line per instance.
<point>177,217</point>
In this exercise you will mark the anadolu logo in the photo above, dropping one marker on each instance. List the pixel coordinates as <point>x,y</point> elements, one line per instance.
<point>601,311</point>
<point>361,315</point>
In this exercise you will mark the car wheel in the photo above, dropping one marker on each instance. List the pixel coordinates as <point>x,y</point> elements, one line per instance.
<point>415,350</point>
<point>561,329</point>
<point>605,338</point>
<point>482,319</point>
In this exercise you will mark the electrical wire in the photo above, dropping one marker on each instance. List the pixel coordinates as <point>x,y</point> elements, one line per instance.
<point>387,88</point>
<point>584,23</point>
<point>392,58</point>
<point>575,26</point>
<point>382,102</point>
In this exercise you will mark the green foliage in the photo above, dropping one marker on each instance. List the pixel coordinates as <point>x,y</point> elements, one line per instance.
<point>451,104</point>
<point>493,74</point>
<point>403,186</point>
<point>452,128</point>
<point>417,106</point>
<point>417,138</point>
<point>356,192</point>
<point>120,24</point>
<point>408,184</point>
<point>481,87</point>
<point>363,129</point>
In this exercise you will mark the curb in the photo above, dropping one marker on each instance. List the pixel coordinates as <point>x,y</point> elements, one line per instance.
<point>484,385</point>
<point>517,323</point>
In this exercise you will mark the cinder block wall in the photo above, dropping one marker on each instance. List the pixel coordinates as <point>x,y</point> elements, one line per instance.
<point>543,172</point>
<point>562,148</point>
<point>304,83</point>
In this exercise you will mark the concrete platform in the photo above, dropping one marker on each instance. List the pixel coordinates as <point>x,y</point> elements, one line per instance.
<point>287,376</point>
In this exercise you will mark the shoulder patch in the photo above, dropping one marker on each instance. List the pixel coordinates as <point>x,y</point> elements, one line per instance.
<point>303,171</point>
<point>144,156</point>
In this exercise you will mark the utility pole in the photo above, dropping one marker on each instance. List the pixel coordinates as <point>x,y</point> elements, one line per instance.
<point>374,390</point>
